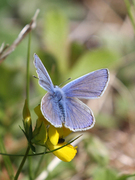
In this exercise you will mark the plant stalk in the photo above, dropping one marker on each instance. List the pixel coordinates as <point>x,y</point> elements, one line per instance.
<point>22,163</point>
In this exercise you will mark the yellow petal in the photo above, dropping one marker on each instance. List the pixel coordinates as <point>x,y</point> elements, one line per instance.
<point>27,119</point>
<point>26,111</point>
<point>53,135</point>
<point>38,111</point>
<point>63,132</point>
<point>66,154</point>
<point>40,115</point>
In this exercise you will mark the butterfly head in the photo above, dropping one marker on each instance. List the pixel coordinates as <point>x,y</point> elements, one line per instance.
<point>58,94</point>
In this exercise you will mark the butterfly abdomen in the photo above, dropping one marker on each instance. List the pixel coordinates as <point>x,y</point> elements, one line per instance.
<point>62,111</point>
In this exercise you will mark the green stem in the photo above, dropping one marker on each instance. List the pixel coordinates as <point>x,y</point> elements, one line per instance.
<point>27,67</point>
<point>22,163</point>
<point>43,153</point>
<point>128,6</point>
<point>27,96</point>
<point>39,164</point>
<point>30,168</point>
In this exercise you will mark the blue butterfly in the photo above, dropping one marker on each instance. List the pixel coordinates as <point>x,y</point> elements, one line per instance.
<point>61,106</point>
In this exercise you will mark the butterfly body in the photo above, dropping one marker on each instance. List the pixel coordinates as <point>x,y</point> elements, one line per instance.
<point>61,106</point>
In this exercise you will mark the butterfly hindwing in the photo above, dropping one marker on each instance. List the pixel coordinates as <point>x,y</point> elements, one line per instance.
<point>79,117</point>
<point>89,86</point>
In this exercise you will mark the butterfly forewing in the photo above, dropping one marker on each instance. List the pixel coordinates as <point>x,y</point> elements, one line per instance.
<point>79,117</point>
<point>44,78</point>
<point>89,86</point>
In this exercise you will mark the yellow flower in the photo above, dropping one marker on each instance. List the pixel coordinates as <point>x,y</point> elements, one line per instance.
<point>40,115</point>
<point>27,120</point>
<point>40,131</point>
<point>53,138</point>
<point>66,153</point>
<point>56,135</point>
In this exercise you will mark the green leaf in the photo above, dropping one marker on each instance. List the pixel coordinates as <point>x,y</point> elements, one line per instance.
<point>93,60</point>
<point>56,33</point>
<point>29,141</point>
<point>6,159</point>
<point>125,176</point>
<point>32,148</point>
<point>9,79</point>
<point>96,149</point>
<point>76,50</point>
<point>40,133</point>
<point>104,174</point>
<point>102,121</point>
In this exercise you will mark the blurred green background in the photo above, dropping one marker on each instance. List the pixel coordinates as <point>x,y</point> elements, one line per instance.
<point>73,38</point>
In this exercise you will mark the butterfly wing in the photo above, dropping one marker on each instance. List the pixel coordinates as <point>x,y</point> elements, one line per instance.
<point>89,86</point>
<point>79,116</point>
<point>44,78</point>
<point>52,111</point>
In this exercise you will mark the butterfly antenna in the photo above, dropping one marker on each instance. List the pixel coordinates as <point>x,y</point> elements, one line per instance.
<point>35,77</point>
<point>65,81</point>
